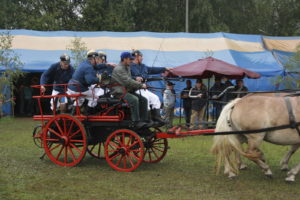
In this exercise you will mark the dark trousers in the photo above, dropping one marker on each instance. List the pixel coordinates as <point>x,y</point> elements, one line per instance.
<point>138,106</point>
<point>217,110</point>
<point>187,115</point>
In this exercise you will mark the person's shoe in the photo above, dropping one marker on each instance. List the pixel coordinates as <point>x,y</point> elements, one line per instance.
<point>149,124</point>
<point>139,124</point>
<point>155,113</point>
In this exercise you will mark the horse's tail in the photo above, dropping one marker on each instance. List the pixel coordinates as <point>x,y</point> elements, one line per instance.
<point>227,147</point>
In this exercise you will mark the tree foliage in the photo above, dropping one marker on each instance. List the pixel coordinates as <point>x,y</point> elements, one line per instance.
<point>10,64</point>
<point>268,17</point>
<point>291,78</point>
<point>78,51</point>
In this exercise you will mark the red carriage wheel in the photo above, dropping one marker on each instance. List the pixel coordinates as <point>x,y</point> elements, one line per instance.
<point>96,150</point>
<point>124,150</point>
<point>65,140</point>
<point>155,149</point>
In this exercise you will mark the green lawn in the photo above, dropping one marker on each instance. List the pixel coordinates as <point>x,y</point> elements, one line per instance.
<point>187,172</point>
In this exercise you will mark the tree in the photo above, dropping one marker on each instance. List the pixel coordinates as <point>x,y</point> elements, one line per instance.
<point>78,51</point>
<point>10,69</point>
<point>291,78</point>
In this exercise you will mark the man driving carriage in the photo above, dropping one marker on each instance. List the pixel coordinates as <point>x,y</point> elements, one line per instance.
<point>121,75</point>
<point>140,72</point>
<point>58,73</point>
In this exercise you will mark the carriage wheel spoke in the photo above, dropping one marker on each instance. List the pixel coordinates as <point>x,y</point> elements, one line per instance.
<point>99,149</point>
<point>119,161</point>
<point>72,154</point>
<point>65,126</point>
<point>113,144</point>
<point>66,155</point>
<point>135,142</point>
<point>59,127</point>
<point>149,154</point>
<point>54,147</point>
<point>81,141</point>
<point>70,128</point>
<point>157,149</point>
<point>120,142</point>
<point>77,149</point>
<point>154,152</point>
<point>123,138</point>
<point>134,156</point>
<point>129,140</point>
<point>75,133</point>
<point>130,161</point>
<point>52,140</point>
<point>56,133</point>
<point>58,155</point>
<point>113,155</point>
<point>124,162</point>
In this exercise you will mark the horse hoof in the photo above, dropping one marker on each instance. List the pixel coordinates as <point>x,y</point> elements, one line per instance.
<point>270,176</point>
<point>288,181</point>
<point>243,167</point>
<point>232,176</point>
<point>284,168</point>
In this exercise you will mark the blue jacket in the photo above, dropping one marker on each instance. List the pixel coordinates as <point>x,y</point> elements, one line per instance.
<point>84,75</point>
<point>56,75</point>
<point>100,68</point>
<point>143,71</point>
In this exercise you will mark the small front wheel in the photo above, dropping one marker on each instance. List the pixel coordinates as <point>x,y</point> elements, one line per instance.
<point>124,150</point>
<point>155,149</point>
<point>38,136</point>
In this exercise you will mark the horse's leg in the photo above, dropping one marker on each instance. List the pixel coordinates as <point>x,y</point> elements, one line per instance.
<point>285,160</point>
<point>228,170</point>
<point>254,142</point>
<point>292,173</point>
<point>242,166</point>
<point>260,161</point>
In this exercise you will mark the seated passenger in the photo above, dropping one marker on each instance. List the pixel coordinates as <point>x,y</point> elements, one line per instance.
<point>83,77</point>
<point>138,104</point>
<point>105,70</point>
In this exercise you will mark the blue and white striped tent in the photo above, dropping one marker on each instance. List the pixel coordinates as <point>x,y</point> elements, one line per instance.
<point>265,55</point>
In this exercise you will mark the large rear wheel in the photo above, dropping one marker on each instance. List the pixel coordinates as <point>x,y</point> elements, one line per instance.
<point>124,150</point>
<point>65,140</point>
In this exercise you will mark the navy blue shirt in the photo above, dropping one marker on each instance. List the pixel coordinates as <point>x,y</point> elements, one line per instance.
<point>56,75</point>
<point>100,68</point>
<point>141,70</point>
<point>84,75</point>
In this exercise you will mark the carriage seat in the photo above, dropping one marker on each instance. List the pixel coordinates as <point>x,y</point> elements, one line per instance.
<point>108,100</point>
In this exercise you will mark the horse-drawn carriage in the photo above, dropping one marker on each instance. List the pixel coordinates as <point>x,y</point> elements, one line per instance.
<point>109,134</point>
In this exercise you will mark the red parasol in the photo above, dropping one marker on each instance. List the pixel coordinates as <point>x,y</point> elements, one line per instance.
<point>207,67</point>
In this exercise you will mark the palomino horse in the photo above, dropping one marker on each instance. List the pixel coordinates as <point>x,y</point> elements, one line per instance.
<point>253,113</point>
<point>286,158</point>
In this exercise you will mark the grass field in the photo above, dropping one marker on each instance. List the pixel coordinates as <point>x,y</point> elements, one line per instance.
<point>187,172</point>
